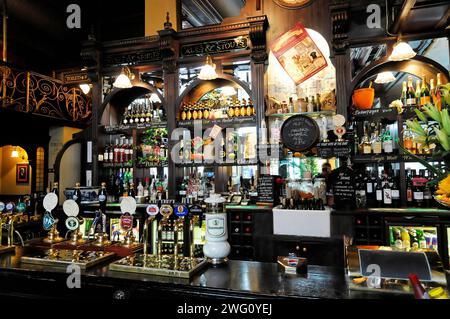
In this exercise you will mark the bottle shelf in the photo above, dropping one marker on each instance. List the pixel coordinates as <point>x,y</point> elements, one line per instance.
<point>389,158</point>
<point>311,114</point>
<point>195,164</point>
<point>390,114</point>
<point>245,121</point>
<point>126,129</point>
<point>116,165</point>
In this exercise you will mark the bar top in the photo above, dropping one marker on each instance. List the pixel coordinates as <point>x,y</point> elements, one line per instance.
<point>395,211</point>
<point>234,279</point>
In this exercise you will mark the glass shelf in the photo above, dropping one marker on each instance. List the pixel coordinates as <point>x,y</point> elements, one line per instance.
<point>311,114</point>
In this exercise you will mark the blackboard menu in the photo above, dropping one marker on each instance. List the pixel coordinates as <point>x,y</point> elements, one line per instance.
<point>377,114</point>
<point>343,186</point>
<point>267,189</point>
<point>333,149</point>
<point>300,133</point>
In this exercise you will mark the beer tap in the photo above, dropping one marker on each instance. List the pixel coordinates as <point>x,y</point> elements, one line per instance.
<point>152,211</point>
<point>73,222</point>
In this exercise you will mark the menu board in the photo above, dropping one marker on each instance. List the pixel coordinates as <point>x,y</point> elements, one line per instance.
<point>267,190</point>
<point>343,187</point>
<point>300,133</point>
<point>333,149</point>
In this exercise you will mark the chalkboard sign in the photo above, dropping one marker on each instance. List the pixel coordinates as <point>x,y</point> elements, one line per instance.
<point>299,133</point>
<point>267,190</point>
<point>333,149</point>
<point>343,186</point>
<point>376,114</point>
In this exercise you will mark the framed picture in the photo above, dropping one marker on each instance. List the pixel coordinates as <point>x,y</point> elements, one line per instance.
<point>22,174</point>
<point>293,4</point>
<point>298,54</point>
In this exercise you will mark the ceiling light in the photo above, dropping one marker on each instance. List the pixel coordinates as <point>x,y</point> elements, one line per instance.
<point>208,71</point>
<point>86,88</point>
<point>123,81</point>
<point>402,51</point>
<point>14,153</point>
<point>385,77</point>
<point>228,91</point>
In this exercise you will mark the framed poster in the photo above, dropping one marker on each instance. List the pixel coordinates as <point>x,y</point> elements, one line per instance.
<point>22,174</point>
<point>298,54</point>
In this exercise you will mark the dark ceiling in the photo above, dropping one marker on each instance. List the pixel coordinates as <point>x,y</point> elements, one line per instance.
<point>39,40</point>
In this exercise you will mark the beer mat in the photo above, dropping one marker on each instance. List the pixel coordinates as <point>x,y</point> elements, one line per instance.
<point>64,257</point>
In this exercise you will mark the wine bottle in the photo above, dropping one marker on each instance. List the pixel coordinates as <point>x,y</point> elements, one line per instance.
<point>425,96</point>
<point>410,96</point>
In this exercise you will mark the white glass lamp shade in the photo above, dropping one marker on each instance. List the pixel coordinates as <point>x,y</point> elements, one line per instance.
<point>228,91</point>
<point>86,88</point>
<point>384,78</point>
<point>208,71</point>
<point>402,51</point>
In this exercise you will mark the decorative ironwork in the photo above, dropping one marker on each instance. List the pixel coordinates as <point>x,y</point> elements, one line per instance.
<point>31,92</point>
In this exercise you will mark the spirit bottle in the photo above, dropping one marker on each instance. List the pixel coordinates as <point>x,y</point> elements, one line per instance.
<point>410,96</point>
<point>365,146</point>
<point>388,145</point>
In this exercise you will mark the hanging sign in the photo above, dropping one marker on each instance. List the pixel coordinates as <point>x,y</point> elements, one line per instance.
<point>216,46</point>
<point>298,54</point>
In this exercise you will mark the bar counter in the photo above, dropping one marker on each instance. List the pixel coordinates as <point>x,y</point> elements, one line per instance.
<point>236,279</point>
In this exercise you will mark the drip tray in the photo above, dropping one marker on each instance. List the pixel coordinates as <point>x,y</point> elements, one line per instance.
<point>149,264</point>
<point>63,257</point>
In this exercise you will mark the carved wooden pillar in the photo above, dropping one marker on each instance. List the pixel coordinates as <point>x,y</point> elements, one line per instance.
<point>169,53</point>
<point>259,56</point>
<point>91,55</point>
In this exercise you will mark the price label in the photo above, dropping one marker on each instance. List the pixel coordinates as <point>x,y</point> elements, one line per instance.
<point>70,208</point>
<point>48,221</point>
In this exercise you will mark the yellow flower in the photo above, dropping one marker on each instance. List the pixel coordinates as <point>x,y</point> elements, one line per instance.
<point>444,186</point>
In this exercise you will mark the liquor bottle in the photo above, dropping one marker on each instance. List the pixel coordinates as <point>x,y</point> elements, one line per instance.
<point>418,93</point>
<point>395,193</point>
<point>388,145</point>
<point>310,106</point>
<point>140,189</point>
<point>200,111</point>
<point>106,154</point>
<point>126,117</point>
<point>243,109</point>
<point>132,111</point>
<point>142,114</point>
<point>387,195</point>
<point>410,95</point>
<point>318,103</point>
<point>148,113</point>
<point>437,92</point>
<point>409,190</point>
<point>206,112</point>
<point>370,191</point>
<point>236,108</point>
<point>408,140</point>
<point>122,151</point>
<point>131,192</point>
<point>427,196</point>
<point>365,146</point>
<point>188,113</point>
<point>249,111</point>
<point>291,105</point>
<point>418,191</point>
<point>379,194</point>
<point>102,198</point>
<point>116,152</point>
<point>425,96</point>
<point>419,291</point>
<point>77,195</point>
<point>130,149</point>
<point>376,143</point>
<point>361,195</point>
<point>404,92</point>
<point>230,111</point>
<point>126,151</point>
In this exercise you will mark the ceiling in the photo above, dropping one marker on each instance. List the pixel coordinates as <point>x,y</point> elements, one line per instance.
<point>39,39</point>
